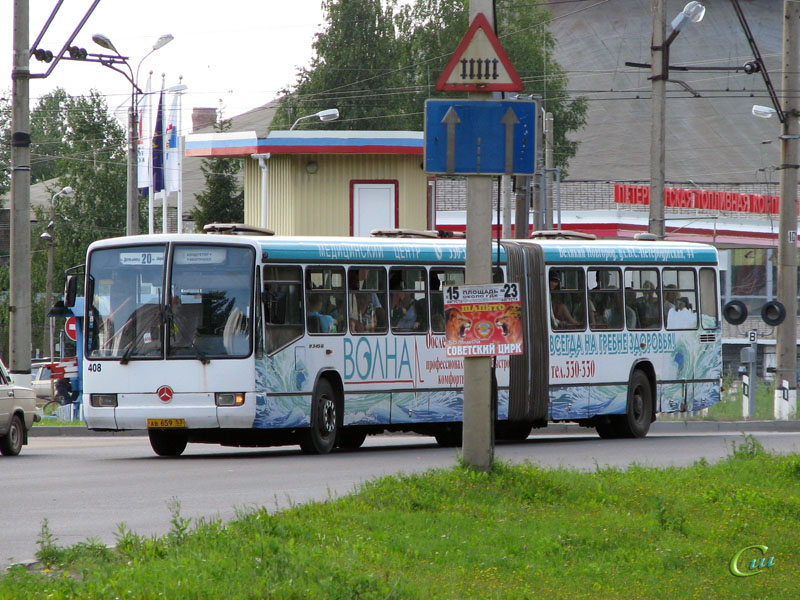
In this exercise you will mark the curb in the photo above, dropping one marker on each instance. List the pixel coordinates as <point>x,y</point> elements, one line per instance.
<point>552,429</point>
<point>79,431</point>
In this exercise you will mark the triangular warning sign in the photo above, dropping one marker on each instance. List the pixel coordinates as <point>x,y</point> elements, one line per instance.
<point>479,64</point>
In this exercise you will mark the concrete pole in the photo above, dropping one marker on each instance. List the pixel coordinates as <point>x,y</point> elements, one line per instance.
<point>20,275</point>
<point>658,123</point>
<point>132,203</point>
<point>478,428</point>
<point>548,166</point>
<point>786,358</point>
<point>506,193</point>
<point>48,294</point>
<point>521,213</point>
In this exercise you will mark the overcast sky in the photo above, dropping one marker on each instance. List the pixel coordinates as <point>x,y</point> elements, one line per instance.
<point>239,53</point>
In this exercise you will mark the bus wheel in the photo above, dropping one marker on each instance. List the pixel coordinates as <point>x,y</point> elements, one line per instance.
<point>512,432</point>
<point>168,443</point>
<point>607,427</point>
<point>325,421</point>
<point>351,440</point>
<point>449,436</point>
<point>11,443</point>
<point>635,423</point>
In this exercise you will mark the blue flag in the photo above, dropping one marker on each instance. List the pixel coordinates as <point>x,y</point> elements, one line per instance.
<point>158,147</point>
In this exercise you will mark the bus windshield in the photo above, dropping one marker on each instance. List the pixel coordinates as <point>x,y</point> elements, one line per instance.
<point>206,313</point>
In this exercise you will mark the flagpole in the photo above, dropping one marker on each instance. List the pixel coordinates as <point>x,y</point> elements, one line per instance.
<point>164,202</point>
<point>180,161</point>
<point>145,142</point>
<point>159,133</point>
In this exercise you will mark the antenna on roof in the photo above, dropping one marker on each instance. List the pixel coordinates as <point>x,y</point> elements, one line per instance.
<point>560,234</point>
<point>236,229</point>
<point>416,233</point>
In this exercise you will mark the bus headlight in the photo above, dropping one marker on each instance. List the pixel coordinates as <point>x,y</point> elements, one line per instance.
<point>103,400</point>
<point>229,398</point>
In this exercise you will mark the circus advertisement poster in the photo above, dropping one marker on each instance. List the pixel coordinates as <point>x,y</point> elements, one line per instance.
<point>483,320</point>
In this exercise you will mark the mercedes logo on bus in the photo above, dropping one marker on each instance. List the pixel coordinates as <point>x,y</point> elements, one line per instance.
<point>165,393</point>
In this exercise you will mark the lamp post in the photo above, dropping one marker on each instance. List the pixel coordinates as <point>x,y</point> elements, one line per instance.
<point>132,206</point>
<point>329,114</point>
<point>48,295</point>
<point>693,12</point>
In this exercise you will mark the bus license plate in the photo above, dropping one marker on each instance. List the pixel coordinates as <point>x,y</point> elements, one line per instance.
<point>165,423</point>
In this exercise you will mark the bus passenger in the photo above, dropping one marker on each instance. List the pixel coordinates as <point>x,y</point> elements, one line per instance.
<point>326,322</point>
<point>404,314</point>
<point>561,316</point>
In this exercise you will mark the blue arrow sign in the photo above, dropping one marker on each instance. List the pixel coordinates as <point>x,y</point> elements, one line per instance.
<point>480,137</point>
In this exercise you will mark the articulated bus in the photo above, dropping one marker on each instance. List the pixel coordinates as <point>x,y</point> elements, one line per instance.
<point>259,340</point>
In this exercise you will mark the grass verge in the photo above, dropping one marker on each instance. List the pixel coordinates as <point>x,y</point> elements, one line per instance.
<point>517,532</point>
<point>730,407</point>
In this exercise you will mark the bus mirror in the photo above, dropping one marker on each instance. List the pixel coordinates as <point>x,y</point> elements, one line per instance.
<point>735,312</point>
<point>773,313</point>
<point>70,290</point>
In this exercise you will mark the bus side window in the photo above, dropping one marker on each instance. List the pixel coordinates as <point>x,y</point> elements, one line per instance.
<point>709,303</point>
<point>642,294</point>
<point>680,299</point>
<point>283,305</point>
<point>259,316</point>
<point>367,301</point>
<point>605,299</point>
<point>325,305</point>
<point>567,299</point>
<point>408,302</point>
<point>438,279</point>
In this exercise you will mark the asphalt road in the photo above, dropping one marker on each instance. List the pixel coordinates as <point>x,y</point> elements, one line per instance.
<point>86,486</point>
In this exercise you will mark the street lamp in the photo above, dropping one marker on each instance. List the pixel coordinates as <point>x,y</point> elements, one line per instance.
<point>329,114</point>
<point>132,211</point>
<point>48,295</point>
<point>693,12</point>
<point>763,112</point>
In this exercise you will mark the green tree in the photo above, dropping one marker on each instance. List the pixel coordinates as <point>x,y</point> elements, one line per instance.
<point>222,200</point>
<point>49,121</point>
<point>5,147</point>
<point>94,164</point>
<point>48,125</point>
<point>378,62</point>
<point>74,142</point>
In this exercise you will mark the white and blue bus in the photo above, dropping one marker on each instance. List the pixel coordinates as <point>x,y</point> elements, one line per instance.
<point>258,340</point>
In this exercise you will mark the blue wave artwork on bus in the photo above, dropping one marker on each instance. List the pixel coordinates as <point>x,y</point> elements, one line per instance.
<point>284,373</point>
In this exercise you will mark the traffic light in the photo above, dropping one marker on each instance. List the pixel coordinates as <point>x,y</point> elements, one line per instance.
<point>77,53</point>
<point>43,55</point>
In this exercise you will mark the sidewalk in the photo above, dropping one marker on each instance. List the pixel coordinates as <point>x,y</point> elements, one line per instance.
<point>552,429</point>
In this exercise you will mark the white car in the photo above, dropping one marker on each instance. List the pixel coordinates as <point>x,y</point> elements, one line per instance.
<point>17,414</point>
<point>40,380</point>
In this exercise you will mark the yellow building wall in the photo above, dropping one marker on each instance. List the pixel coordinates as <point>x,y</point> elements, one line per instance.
<point>301,203</point>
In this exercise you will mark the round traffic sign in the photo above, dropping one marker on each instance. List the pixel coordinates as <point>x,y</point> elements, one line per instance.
<point>71,329</point>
